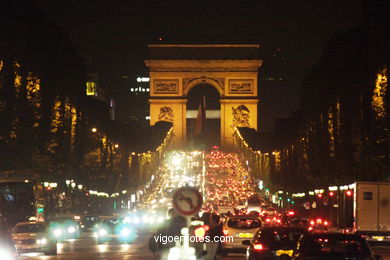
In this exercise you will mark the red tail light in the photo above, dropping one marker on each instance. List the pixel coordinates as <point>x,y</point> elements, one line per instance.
<point>312,222</point>
<point>258,247</point>
<point>326,223</point>
<point>225,232</point>
<point>267,220</point>
<point>291,213</point>
<point>319,220</point>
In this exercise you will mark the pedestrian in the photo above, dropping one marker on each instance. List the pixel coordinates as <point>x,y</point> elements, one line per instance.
<point>214,234</point>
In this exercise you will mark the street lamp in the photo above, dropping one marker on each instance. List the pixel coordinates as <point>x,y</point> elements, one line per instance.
<point>80,186</point>
<point>67,182</point>
<point>94,130</point>
<point>73,184</point>
<point>116,145</point>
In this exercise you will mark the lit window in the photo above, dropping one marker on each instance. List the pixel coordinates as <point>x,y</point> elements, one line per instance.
<point>91,88</point>
<point>147,89</point>
<point>132,89</point>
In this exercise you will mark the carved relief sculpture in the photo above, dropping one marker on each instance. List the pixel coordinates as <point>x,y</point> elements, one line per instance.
<point>240,86</point>
<point>166,86</point>
<point>241,116</point>
<point>166,114</point>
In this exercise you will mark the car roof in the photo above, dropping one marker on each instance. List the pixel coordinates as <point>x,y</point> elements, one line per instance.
<point>30,223</point>
<point>243,217</point>
<point>277,228</point>
<point>334,235</point>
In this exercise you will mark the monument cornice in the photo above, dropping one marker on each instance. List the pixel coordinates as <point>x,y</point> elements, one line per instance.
<point>203,65</point>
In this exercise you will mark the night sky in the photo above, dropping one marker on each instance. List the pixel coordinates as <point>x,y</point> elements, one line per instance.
<point>112,35</point>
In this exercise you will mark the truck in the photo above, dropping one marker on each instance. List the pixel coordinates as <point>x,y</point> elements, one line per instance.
<point>371,210</point>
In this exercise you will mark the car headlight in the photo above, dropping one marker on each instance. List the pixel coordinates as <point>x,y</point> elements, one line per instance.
<point>135,220</point>
<point>125,232</point>
<point>5,254</point>
<point>57,232</point>
<point>42,241</point>
<point>102,232</point>
<point>71,229</point>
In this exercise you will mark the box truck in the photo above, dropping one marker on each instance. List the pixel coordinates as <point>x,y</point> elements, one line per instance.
<point>372,210</point>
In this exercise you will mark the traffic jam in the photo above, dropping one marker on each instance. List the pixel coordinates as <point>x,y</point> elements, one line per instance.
<point>201,206</point>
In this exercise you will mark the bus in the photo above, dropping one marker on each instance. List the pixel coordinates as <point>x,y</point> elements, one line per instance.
<point>21,199</point>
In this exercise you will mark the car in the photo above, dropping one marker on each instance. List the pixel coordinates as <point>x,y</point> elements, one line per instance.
<point>34,237</point>
<point>65,228</point>
<point>240,228</point>
<point>273,243</point>
<point>87,223</point>
<point>319,224</point>
<point>333,246</point>
<point>115,230</point>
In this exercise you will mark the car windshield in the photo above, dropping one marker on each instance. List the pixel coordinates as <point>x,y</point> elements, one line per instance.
<point>111,221</point>
<point>244,223</point>
<point>30,228</point>
<point>89,219</point>
<point>329,246</point>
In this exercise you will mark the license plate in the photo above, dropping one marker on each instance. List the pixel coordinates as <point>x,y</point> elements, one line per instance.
<point>284,252</point>
<point>245,235</point>
<point>379,238</point>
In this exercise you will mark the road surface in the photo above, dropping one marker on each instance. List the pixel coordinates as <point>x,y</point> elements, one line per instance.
<point>87,248</point>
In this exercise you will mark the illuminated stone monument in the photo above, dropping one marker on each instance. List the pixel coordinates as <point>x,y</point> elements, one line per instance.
<point>231,69</point>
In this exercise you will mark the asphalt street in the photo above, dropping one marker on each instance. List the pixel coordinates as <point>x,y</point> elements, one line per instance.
<point>86,248</point>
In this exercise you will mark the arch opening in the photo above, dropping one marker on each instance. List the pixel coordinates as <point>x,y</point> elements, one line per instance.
<point>211,130</point>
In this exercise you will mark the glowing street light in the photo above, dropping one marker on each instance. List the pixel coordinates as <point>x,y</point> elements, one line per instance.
<point>80,186</point>
<point>116,145</point>
<point>73,184</point>
<point>94,130</point>
<point>67,182</point>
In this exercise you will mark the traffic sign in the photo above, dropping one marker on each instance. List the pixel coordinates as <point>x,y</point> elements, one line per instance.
<point>187,201</point>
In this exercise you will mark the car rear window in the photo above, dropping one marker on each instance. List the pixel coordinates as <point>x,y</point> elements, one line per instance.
<point>280,237</point>
<point>244,223</point>
<point>325,246</point>
<point>30,228</point>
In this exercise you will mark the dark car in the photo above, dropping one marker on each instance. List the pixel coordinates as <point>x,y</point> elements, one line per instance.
<point>69,228</point>
<point>88,223</point>
<point>333,246</point>
<point>115,230</point>
<point>274,242</point>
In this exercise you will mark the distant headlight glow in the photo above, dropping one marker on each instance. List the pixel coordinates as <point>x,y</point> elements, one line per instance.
<point>57,232</point>
<point>102,232</point>
<point>71,229</point>
<point>125,232</point>
<point>42,241</point>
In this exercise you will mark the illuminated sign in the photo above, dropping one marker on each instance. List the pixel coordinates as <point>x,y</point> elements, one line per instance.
<point>91,88</point>
<point>143,79</point>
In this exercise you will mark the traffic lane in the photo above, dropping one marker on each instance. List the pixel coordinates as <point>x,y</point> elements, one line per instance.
<point>384,251</point>
<point>87,248</point>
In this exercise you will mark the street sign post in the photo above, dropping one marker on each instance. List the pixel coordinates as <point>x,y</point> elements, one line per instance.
<point>187,201</point>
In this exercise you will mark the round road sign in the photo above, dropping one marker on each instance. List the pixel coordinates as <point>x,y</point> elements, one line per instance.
<point>187,201</point>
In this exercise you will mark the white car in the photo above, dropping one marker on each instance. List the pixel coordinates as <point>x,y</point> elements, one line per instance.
<point>239,228</point>
<point>33,237</point>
